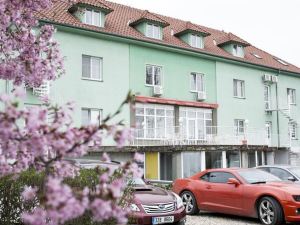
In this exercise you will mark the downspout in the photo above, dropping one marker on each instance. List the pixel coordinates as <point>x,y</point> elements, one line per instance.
<point>277,113</point>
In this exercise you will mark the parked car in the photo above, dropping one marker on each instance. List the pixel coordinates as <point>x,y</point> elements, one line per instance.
<point>150,204</point>
<point>244,192</point>
<point>284,172</point>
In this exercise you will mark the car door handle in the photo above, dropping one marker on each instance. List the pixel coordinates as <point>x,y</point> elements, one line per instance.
<point>208,187</point>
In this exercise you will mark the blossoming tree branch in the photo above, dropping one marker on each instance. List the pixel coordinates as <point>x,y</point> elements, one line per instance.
<point>29,55</point>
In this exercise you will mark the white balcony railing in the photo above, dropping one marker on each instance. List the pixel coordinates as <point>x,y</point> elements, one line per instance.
<point>207,136</point>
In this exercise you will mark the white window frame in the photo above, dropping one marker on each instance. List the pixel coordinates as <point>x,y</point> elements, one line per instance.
<point>150,31</point>
<point>153,75</point>
<point>89,115</point>
<point>267,99</point>
<point>196,41</point>
<point>237,127</point>
<point>291,95</point>
<point>167,130</point>
<point>199,78</point>
<point>236,85</point>
<point>91,68</point>
<point>238,50</point>
<point>93,12</point>
<point>293,131</point>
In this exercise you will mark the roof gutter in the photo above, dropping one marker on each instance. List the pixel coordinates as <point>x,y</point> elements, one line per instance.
<point>169,47</point>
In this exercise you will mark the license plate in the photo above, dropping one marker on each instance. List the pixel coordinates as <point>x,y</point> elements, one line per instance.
<point>161,220</point>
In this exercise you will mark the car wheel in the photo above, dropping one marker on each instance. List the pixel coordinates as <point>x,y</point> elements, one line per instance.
<point>270,211</point>
<point>189,203</point>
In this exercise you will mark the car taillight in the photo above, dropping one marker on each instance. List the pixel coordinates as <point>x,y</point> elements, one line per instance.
<point>296,198</point>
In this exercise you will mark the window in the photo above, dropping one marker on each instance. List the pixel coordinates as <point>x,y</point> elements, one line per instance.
<point>153,75</point>
<point>267,97</point>
<point>205,177</point>
<point>293,130</point>
<point>256,56</point>
<point>195,123</point>
<point>196,41</point>
<point>90,116</point>
<point>252,159</point>
<point>154,121</point>
<point>91,67</point>
<point>282,174</point>
<point>238,50</point>
<point>213,159</point>
<point>238,88</point>
<point>291,94</point>
<point>239,127</point>
<point>233,159</point>
<point>153,31</point>
<point>197,82</point>
<point>93,17</point>
<point>191,163</point>
<point>220,177</point>
<point>281,62</point>
<point>169,163</point>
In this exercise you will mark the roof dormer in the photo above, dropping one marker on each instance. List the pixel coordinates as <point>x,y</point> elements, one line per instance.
<point>192,34</point>
<point>90,13</point>
<point>149,24</point>
<point>232,44</point>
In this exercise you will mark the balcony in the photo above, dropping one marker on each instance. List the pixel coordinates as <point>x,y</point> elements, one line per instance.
<point>207,136</point>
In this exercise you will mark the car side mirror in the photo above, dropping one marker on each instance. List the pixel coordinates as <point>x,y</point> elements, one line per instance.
<point>291,178</point>
<point>147,181</point>
<point>233,181</point>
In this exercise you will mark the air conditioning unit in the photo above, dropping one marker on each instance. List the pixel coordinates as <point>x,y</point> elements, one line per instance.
<point>201,96</point>
<point>267,78</point>
<point>274,79</point>
<point>43,90</point>
<point>157,90</point>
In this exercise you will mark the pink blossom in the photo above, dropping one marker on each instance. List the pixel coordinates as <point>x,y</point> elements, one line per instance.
<point>29,193</point>
<point>138,157</point>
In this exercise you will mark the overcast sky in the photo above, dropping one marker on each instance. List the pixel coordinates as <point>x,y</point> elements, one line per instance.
<point>272,25</point>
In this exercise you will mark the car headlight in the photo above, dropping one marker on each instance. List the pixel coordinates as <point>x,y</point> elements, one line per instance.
<point>134,208</point>
<point>179,202</point>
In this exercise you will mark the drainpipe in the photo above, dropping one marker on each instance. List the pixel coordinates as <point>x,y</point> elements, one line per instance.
<point>6,86</point>
<point>277,114</point>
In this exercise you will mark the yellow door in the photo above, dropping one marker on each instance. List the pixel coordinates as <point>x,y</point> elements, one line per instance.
<point>151,159</point>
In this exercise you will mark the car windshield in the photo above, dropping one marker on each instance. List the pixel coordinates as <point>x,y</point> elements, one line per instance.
<point>295,170</point>
<point>254,176</point>
<point>135,181</point>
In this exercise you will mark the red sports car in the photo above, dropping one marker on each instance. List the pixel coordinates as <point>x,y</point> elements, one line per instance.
<point>243,192</point>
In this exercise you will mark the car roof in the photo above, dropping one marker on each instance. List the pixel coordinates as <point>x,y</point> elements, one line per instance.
<point>234,169</point>
<point>282,166</point>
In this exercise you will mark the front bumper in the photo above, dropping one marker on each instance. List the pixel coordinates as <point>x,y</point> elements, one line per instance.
<point>291,211</point>
<point>142,218</point>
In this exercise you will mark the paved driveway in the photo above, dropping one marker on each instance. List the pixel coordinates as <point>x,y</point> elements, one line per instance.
<point>206,218</point>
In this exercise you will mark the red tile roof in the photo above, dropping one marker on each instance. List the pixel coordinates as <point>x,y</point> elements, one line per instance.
<point>231,38</point>
<point>96,3</point>
<point>117,23</point>
<point>188,27</point>
<point>148,16</point>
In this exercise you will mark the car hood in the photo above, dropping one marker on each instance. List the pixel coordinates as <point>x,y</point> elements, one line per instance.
<point>149,194</point>
<point>291,187</point>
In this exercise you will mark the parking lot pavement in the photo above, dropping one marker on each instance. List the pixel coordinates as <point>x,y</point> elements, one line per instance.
<point>219,219</point>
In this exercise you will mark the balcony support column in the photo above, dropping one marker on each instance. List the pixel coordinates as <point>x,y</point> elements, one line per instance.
<point>203,161</point>
<point>224,160</point>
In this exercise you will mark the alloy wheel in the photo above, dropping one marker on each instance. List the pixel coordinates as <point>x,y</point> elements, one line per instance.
<point>188,202</point>
<point>266,212</point>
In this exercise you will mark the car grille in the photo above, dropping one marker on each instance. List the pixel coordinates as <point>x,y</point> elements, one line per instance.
<point>159,208</point>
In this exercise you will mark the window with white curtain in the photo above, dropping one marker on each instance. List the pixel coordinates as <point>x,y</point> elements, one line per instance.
<point>154,121</point>
<point>238,50</point>
<point>153,75</point>
<point>90,116</point>
<point>191,163</point>
<point>92,17</point>
<point>239,126</point>
<point>197,82</point>
<point>196,41</point>
<point>195,123</point>
<point>291,93</point>
<point>238,88</point>
<point>153,31</point>
<point>92,67</point>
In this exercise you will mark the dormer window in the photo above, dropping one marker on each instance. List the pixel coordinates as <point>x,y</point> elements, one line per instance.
<point>238,50</point>
<point>196,41</point>
<point>93,17</point>
<point>153,31</point>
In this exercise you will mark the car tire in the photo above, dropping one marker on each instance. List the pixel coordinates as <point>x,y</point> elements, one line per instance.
<point>189,202</point>
<point>270,212</point>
